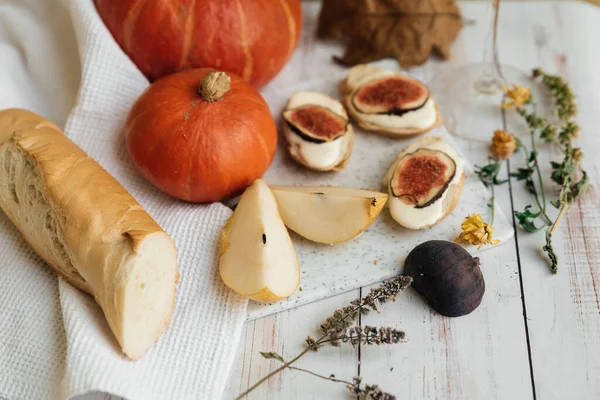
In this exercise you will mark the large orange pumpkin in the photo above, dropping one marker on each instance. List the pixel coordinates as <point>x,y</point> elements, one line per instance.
<point>201,135</point>
<point>250,38</point>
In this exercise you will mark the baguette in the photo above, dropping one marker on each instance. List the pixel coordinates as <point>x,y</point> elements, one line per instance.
<point>85,225</point>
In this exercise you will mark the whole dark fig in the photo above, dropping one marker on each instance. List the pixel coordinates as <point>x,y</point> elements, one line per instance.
<point>447,276</point>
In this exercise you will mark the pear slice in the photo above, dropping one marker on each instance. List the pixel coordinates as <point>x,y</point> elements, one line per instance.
<point>327,214</point>
<point>257,258</point>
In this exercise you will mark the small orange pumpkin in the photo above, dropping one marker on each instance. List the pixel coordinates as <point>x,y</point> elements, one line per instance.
<point>201,135</point>
<point>251,38</point>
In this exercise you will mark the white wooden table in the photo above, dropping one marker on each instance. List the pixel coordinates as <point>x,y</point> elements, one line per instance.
<point>535,335</point>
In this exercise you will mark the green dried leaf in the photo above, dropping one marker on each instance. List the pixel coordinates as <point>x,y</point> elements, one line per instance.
<point>548,133</point>
<point>525,174</point>
<point>522,173</point>
<point>530,186</point>
<point>562,173</point>
<point>555,203</point>
<point>579,188</point>
<point>532,157</point>
<point>272,355</point>
<point>550,251</point>
<point>488,174</point>
<point>526,219</point>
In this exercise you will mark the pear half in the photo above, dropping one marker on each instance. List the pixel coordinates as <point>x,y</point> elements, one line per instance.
<point>328,214</point>
<point>257,258</point>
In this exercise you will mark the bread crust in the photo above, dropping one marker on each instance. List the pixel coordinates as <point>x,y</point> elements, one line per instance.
<point>346,89</point>
<point>84,224</point>
<point>15,119</point>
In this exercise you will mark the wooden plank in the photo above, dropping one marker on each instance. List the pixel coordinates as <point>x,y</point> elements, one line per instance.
<point>563,310</point>
<point>485,354</point>
<point>285,334</point>
<point>482,355</point>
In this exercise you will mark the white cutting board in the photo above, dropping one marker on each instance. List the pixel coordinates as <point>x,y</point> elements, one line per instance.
<point>379,252</point>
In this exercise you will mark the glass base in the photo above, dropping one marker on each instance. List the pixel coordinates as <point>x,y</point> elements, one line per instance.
<point>469,100</point>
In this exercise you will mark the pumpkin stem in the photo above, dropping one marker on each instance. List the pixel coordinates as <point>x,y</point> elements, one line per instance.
<point>214,86</point>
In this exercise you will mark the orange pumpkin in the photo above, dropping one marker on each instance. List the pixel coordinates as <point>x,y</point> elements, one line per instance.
<point>201,135</point>
<point>250,38</point>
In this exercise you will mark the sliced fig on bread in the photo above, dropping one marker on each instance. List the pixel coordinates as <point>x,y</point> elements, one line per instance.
<point>422,177</point>
<point>388,103</point>
<point>315,123</point>
<point>396,95</point>
<point>424,183</point>
<point>317,130</point>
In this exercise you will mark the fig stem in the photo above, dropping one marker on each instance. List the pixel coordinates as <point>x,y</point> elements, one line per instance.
<point>214,86</point>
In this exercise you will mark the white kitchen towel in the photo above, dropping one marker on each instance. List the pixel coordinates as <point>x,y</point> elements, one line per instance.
<point>58,59</point>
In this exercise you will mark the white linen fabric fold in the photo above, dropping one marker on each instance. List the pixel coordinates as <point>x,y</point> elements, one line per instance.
<point>58,59</point>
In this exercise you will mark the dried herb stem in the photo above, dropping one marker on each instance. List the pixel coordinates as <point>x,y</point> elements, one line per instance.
<point>322,340</point>
<point>337,329</point>
<point>274,372</point>
<point>541,205</point>
<point>488,175</point>
<point>492,205</point>
<point>329,378</point>
<point>564,206</point>
<point>560,131</point>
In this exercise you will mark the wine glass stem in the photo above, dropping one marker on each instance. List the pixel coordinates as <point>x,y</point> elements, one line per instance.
<point>491,80</point>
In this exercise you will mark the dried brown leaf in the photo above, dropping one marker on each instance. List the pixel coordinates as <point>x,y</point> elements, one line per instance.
<point>408,30</point>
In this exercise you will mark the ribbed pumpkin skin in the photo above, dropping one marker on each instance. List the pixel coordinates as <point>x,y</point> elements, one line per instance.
<point>250,38</point>
<point>196,150</point>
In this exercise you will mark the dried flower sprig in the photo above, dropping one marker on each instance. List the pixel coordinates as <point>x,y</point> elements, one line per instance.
<point>338,329</point>
<point>518,95</point>
<point>527,218</point>
<point>476,232</point>
<point>568,174</point>
<point>503,144</point>
<point>564,99</point>
<point>370,392</point>
<point>488,175</point>
<point>474,229</point>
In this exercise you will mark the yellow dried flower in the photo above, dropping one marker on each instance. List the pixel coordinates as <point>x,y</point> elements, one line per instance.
<point>476,232</point>
<point>518,94</point>
<point>503,144</point>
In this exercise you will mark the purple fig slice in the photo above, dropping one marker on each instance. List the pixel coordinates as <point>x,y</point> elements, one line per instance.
<point>390,95</point>
<point>315,123</point>
<point>422,177</point>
